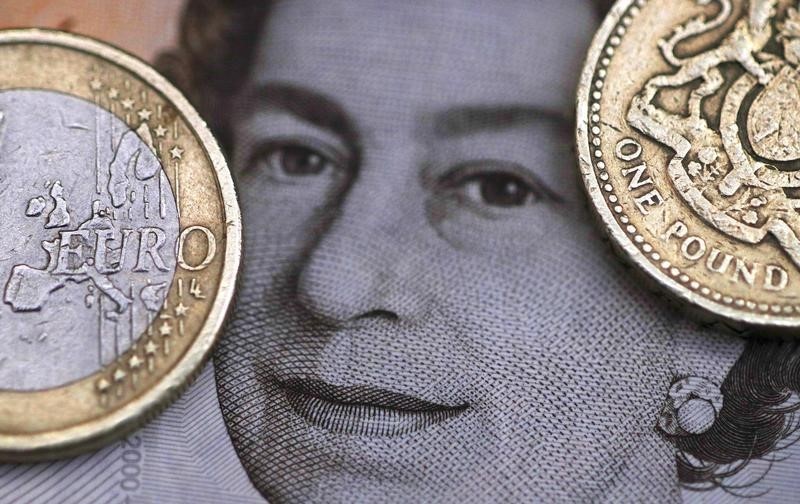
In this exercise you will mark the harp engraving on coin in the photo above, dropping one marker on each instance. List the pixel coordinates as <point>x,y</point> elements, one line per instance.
<point>89,241</point>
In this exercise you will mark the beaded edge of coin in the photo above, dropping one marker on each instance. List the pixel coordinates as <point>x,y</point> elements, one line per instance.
<point>700,303</point>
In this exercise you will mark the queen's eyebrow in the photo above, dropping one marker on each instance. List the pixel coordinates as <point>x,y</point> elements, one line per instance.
<point>306,104</point>
<point>467,120</point>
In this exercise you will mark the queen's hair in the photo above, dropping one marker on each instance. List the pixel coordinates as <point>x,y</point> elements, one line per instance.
<point>758,418</point>
<point>216,45</point>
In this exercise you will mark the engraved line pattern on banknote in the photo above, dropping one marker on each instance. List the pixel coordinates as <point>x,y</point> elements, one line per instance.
<point>185,455</point>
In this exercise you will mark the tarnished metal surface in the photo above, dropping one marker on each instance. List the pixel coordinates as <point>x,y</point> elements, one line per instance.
<point>119,243</point>
<point>689,150</point>
<point>85,265</point>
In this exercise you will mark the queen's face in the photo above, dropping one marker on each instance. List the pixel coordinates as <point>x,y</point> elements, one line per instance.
<point>426,312</point>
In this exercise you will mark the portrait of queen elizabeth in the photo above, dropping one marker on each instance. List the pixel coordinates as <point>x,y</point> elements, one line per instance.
<point>427,312</point>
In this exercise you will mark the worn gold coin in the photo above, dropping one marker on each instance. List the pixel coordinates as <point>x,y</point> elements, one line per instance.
<point>120,243</point>
<point>689,147</point>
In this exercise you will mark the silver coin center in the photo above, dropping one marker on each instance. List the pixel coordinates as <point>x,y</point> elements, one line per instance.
<point>87,237</point>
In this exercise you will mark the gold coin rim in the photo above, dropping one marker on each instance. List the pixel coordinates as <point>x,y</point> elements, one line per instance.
<point>122,421</point>
<point>699,306</point>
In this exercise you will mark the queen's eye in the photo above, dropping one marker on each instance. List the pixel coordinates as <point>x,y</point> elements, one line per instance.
<point>299,161</point>
<point>495,184</point>
<point>290,163</point>
<point>499,190</point>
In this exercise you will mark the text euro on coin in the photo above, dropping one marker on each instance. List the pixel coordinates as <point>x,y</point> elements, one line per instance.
<point>690,150</point>
<point>120,243</point>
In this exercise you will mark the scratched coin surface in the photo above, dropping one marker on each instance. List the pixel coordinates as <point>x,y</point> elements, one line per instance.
<point>120,243</point>
<point>689,147</point>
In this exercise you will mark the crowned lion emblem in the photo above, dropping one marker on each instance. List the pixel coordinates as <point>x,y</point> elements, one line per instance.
<point>742,176</point>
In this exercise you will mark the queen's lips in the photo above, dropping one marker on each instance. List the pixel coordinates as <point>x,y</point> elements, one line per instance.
<point>363,410</point>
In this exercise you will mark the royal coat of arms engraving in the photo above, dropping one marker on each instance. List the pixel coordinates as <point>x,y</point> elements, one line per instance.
<point>735,166</point>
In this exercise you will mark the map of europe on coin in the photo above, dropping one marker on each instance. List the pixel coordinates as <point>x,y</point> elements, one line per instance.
<point>90,255</point>
<point>690,150</point>
<point>118,243</point>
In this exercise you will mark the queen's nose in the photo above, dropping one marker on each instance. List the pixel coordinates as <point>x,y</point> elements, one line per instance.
<point>366,263</point>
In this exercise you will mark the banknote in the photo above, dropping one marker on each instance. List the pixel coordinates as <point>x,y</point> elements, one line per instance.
<point>184,455</point>
<point>427,312</point>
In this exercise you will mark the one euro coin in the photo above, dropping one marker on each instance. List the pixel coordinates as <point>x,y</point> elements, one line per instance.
<point>120,242</point>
